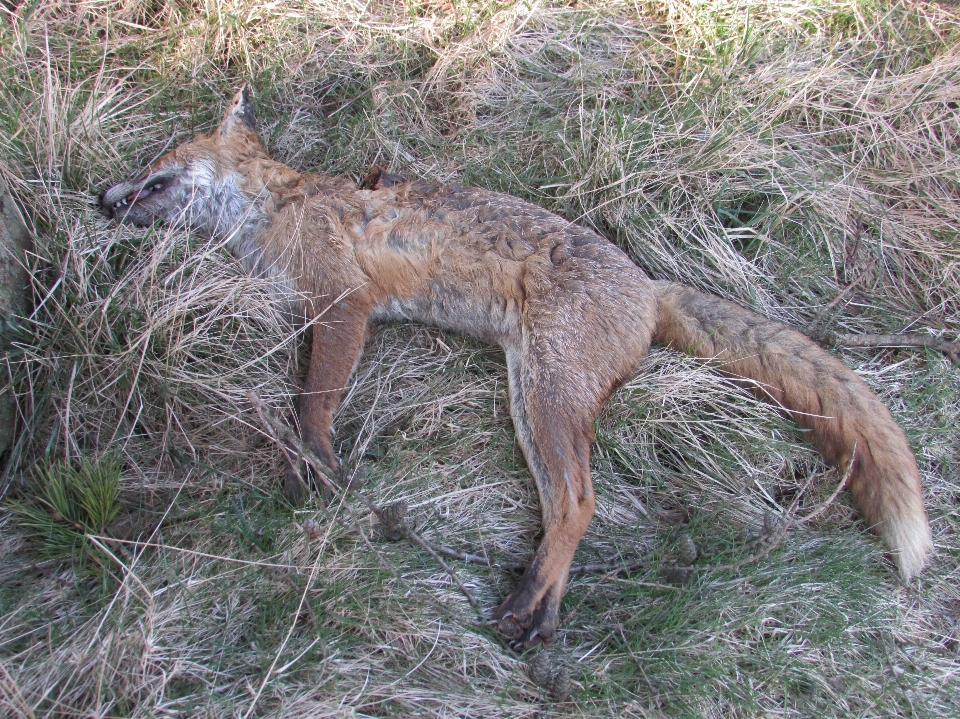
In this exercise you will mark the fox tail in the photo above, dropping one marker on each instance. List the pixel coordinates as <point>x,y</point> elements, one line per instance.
<point>821,394</point>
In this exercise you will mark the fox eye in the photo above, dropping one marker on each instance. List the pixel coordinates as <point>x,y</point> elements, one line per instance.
<point>157,187</point>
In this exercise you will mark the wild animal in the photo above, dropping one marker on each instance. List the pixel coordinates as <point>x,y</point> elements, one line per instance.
<point>573,314</point>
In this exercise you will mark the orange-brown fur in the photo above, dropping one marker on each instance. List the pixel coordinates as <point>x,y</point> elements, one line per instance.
<point>574,315</point>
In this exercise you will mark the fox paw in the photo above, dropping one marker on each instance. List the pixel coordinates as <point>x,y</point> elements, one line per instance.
<point>526,622</point>
<point>293,487</point>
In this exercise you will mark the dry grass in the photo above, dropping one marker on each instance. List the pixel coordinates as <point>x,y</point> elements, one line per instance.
<point>773,153</point>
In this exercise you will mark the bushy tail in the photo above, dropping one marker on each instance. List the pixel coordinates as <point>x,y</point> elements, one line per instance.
<point>822,395</point>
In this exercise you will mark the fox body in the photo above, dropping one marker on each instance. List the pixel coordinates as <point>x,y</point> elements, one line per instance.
<point>574,315</point>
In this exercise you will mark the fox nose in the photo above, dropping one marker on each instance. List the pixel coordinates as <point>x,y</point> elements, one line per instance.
<point>104,207</point>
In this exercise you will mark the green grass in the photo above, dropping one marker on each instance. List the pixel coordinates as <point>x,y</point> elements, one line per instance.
<point>772,153</point>
<point>70,503</point>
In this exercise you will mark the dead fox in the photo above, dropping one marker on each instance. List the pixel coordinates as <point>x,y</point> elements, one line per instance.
<point>572,312</point>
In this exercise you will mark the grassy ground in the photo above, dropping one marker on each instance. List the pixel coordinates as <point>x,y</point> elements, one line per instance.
<point>773,153</point>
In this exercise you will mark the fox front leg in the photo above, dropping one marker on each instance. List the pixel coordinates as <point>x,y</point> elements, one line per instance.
<point>338,337</point>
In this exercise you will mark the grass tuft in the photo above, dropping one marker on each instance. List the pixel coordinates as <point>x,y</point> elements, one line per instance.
<point>69,503</point>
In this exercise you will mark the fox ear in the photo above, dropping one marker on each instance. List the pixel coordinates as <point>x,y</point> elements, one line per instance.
<point>239,115</point>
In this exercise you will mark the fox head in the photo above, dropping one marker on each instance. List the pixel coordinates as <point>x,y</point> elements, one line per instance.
<point>201,183</point>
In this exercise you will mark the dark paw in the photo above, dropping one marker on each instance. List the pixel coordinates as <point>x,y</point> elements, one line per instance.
<point>510,625</point>
<point>529,639</point>
<point>293,487</point>
<point>329,471</point>
<point>526,626</point>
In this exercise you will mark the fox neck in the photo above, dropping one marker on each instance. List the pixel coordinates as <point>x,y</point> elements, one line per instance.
<point>232,207</point>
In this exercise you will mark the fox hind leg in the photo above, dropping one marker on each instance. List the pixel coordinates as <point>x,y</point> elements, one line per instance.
<point>554,431</point>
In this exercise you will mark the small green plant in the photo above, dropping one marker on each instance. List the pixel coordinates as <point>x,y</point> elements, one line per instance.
<point>71,501</point>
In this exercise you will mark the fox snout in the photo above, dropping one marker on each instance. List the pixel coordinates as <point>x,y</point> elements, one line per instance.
<point>127,201</point>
